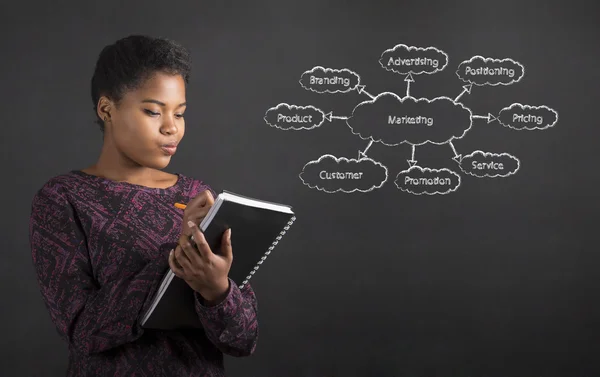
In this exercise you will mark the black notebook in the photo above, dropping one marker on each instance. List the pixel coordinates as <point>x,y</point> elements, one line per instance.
<point>256,228</point>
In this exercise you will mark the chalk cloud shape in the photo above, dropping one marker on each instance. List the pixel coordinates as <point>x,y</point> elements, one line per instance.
<point>277,116</point>
<point>361,175</point>
<point>427,177</point>
<point>310,80</point>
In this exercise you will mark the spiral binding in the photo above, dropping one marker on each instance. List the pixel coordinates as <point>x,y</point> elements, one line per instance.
<point>275,242</point>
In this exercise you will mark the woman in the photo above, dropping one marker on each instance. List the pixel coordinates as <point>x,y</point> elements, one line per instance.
<point>102,237</point>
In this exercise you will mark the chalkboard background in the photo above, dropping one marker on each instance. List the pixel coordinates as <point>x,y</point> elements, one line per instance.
<point>498,278</point>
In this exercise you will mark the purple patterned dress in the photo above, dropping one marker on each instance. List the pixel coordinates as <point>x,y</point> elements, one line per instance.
<point>100,249</point>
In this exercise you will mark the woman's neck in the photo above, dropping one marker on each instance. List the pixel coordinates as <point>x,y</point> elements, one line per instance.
<point>113,165</point>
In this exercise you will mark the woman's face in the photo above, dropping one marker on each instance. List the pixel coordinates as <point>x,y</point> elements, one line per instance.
<point>148,123</point>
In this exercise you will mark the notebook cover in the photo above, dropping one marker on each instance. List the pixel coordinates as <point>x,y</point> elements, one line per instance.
<point>253,232</point>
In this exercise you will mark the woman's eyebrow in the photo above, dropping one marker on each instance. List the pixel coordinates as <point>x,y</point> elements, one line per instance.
<point>160,103</point>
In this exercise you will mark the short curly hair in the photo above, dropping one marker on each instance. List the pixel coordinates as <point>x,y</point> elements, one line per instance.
<point>127,63</point>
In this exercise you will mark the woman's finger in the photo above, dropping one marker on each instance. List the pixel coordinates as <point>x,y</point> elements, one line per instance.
<point>177,270</point>
<point>190,251</point>
<point>197,208</point>
<point>195,216</point>
<point>182,259</point>
<point>226,249</point>
<point>203,199</point>
<point>201,244</point>
<point>172,254</point>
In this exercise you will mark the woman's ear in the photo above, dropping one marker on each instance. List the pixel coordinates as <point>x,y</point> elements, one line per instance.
<point>104,108</point>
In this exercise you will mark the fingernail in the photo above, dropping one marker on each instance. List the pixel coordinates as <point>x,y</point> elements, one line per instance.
<point>191,224</point>
<point>171,252</point>
<point>229,236</point>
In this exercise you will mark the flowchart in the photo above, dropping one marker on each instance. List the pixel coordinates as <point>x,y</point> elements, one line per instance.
<point>392,119</point>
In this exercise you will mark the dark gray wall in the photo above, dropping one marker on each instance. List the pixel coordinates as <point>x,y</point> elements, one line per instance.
<point>496,279</point>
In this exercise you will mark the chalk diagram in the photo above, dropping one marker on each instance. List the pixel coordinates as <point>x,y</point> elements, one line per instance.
<point>391,119</point>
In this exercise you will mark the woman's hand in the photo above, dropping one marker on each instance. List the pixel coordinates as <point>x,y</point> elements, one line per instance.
<point>196,210</point>
<point>204,271</point>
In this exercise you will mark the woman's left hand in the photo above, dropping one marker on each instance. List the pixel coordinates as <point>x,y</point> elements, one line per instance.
<point>204,271</point>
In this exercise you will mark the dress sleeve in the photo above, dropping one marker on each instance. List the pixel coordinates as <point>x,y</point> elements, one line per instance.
<point>91,318</point>
<point>232,324</point>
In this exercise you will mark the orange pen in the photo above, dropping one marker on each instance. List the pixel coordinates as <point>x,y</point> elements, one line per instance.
<point>180,206</point>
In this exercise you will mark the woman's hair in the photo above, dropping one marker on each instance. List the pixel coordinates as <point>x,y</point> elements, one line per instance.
<point>127,63</point>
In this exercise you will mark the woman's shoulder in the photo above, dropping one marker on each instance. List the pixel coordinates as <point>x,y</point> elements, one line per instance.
<point>193,186</point>
<point>54,191</point>
<point>59,184</point>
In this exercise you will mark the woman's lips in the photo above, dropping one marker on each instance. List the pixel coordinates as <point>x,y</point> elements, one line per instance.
<point>169,149</point>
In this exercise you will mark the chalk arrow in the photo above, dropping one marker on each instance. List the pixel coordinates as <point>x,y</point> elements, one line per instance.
<point>361,89</point>
<point>363,154</point>
<point>490,118</point>
<point>329,116</point>
<point>457,157</point>
<point>412,162</point>
<point>466,89</point>
<point>408,80</point>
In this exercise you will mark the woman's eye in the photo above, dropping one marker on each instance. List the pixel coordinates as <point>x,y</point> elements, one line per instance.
<point>152,113</point>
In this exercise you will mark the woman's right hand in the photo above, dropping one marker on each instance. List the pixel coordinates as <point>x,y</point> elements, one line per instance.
<point>196,210</point>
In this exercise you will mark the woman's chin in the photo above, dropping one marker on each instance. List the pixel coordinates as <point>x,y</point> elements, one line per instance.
<point>159,163</point>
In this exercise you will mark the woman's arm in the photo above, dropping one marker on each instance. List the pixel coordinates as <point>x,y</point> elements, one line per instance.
<point>90,318</point>
<point>232,324</point>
